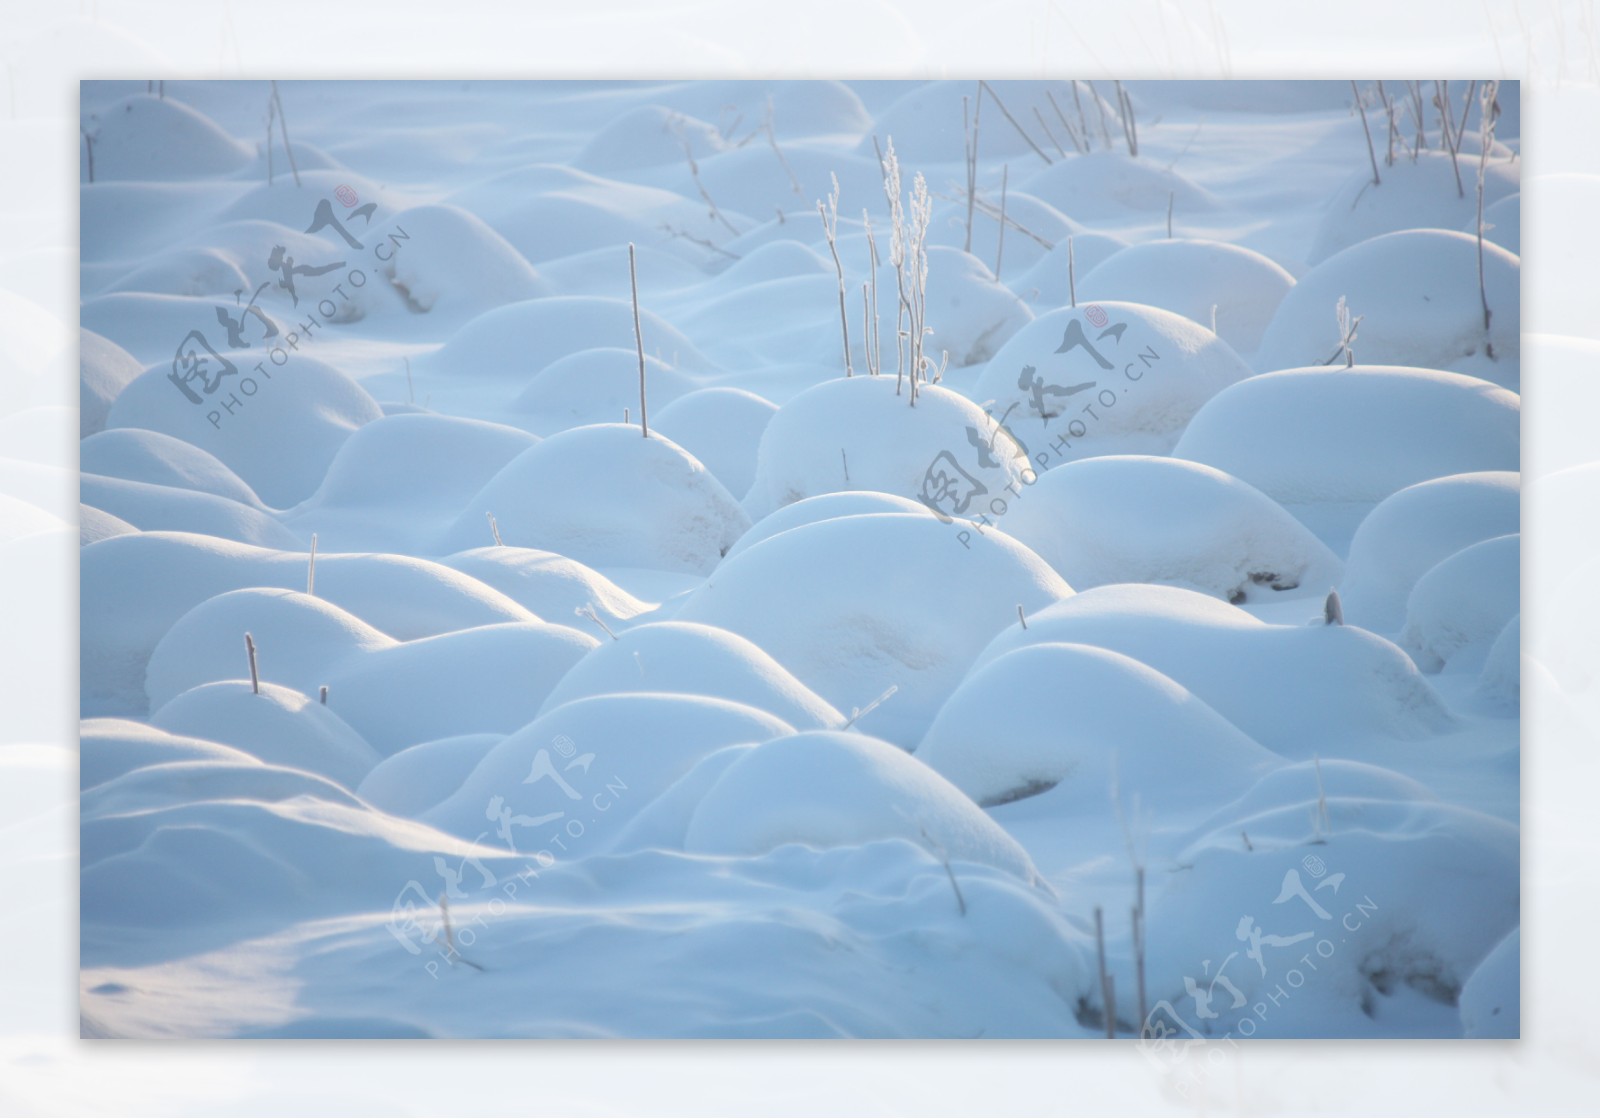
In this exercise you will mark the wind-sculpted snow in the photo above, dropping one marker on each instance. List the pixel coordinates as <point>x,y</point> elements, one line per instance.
<point>791,558</point>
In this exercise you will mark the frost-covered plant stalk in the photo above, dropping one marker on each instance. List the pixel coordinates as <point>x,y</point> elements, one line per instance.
<point>830,226</point>
<point>638,337</point>
<point>1371,155</point>
<point>1489,113</point>
<point>250,651</point>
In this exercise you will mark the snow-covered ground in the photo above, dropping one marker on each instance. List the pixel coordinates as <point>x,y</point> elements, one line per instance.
<point>856,697</point>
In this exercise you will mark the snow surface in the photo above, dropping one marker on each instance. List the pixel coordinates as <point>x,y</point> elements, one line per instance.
<point>830,708</point>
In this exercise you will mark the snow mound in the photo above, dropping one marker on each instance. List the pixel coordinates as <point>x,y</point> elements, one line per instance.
<point>484,680</point>
<point>1048,284</point>
<point>412,781</point>
<point>1297,782</point>
<point>1049,716</point>
<point>547,585</point>
<point>645,137</point>
<point>1416,293</point>
<point>186,271</point>
<point>1140,519</point>
<point>1294,689</point>
<point>446,262</point>
<point>400,480</point>
<point>1462,604</point>
<point>166,508</point>
<point>1500,682</point>
<point>299,639</point>
<point>147,581</point>
<point>1491,998</point>
<point>604,495</point>
<point>1410,195</point>
<point>841,789</point>
<point>104,370</point>
<point>518,340</point>
<point>1100,379</point>
<point>150,456</point>
<point>109,748</point>
<point>286,425</point>
<point>1020,253</point>
<point>1307,436</point>
<point>254,847</point>
<point>1392,901</point>
<point>722,427</point>
<point>824,507</point>
<point>858,433</point>
<point>595,386</point>
<point>690,659</point>
<point>279,726</point>
<point>622,750</point>
<point>158,139</point>
<point>1108,184</point>
<point>970,312</point>
<point>1411,530</point>
<point>1232,290</point>
<point>95,524</point>
<point>856,605</point>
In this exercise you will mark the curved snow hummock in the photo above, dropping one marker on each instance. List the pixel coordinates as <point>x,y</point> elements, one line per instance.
<point>445,262</point>
<point>487,679</point>
<point>634,746</point>
<point>152,507</point>
<point>722,427</point>
<point>109,748</point>
<point>605,495</point>
<point>1411,193</point>
<point>1111,184</point>
<point>299,638</point>
<point>1145,519</point>
<point>137,455</point>
<point>970,312</point>
<point>1411,897</point>
<point>147,581</point>
<point>843,789</point>
<point>104,370</point>
<point>1416,294</point>
<point>1294,689</point>
<point>1315,435</point>
<point>1412,529</point>
<point>824,507</point>
<point>1502,223</point>
<point>1232,290</point>
<point>399,480</point>
<point>1101,379</point>
<point>287,421</point>
<point>857,605</point>
<point>860,433</point>
<point>595,386</point>
<point>159,139</point>
<point>1461,605</point>
<point>546,584</point>
<point>412,781</point>
<point>691,659</point>
<point>1087,722</point>
<point>278,725</point>
<point>518,340</point>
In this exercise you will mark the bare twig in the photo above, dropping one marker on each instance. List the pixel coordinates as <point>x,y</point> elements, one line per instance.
<point>772,138</point>
<point>638,337</point>
<point>1000,241</point>
<point>1072,274</point>
<point>1362,109</point>
<point>311,569</point>
<point>494,528</point>
<point>250,651</point>
<point>983,87</point>
<point>694,172</point>
<point>588,611</point>
<point>283,129</point>
<point>322,694</point>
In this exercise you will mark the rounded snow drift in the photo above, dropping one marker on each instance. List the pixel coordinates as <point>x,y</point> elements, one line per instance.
<point>606,495</point>
<point>1148,519</point>
<point>1103,379</point>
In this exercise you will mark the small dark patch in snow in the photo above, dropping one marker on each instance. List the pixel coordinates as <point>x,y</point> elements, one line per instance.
<point>1022,792</point>
<point>109,989</point>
